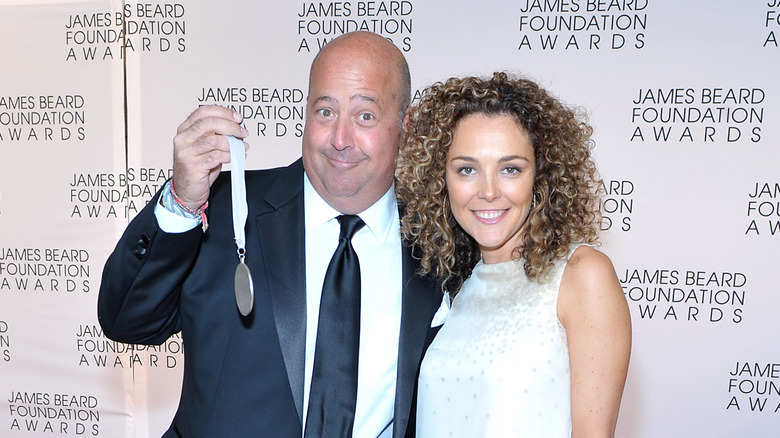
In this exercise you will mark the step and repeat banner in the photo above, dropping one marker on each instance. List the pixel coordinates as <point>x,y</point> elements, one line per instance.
<point>683,95</point>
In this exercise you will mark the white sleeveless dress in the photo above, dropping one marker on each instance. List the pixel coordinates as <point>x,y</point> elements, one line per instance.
<point>499,367</point>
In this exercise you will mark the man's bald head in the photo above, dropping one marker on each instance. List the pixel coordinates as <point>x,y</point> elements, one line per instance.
<point>372,47</point>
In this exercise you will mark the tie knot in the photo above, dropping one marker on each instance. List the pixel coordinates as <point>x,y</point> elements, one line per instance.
<point>350,223</point>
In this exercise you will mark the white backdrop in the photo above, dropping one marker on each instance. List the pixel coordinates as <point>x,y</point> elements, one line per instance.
<point>683,96</point>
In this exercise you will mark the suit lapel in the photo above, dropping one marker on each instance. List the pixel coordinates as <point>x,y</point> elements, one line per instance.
<point>420,301</point>
<point>281,233</point>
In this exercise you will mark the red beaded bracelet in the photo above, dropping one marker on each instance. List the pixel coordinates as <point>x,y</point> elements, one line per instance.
<point>199,212</point>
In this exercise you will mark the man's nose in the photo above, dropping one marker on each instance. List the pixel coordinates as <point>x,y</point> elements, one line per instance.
<point>342,134</point>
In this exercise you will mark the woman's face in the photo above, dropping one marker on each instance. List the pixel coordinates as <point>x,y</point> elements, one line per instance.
<point>490,174</point>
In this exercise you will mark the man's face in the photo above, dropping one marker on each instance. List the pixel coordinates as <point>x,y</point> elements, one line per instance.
<point>352,134</point>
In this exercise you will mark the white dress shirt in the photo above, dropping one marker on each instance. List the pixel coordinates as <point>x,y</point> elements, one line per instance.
<point>378,246</point>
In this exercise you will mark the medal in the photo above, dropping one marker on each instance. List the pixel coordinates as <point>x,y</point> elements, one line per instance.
<point>245,293</point>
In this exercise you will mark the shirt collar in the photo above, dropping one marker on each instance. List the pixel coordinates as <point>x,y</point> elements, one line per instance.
<point>379,217</point>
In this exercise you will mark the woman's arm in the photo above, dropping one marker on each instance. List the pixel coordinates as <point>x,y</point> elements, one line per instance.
<point>593,309</point>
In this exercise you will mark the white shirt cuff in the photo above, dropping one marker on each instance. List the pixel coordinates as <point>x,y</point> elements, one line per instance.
<point>171,222</point>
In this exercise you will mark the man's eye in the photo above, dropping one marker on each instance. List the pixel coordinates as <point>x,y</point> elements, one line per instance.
<point>325,112</point>
<point>366,117</point>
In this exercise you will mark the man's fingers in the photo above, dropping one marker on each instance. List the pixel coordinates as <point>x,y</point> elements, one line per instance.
<point>200,149</point>
<point>213,119</point>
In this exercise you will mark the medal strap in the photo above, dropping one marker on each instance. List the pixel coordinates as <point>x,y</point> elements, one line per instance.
<point>238,193</point>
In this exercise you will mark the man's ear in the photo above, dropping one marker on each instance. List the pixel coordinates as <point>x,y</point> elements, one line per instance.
<point>405,124</point>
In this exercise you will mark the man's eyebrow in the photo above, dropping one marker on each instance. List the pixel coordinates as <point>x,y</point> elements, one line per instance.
<point>326,98</point>
<point>364,97</point>
<point>359,97</point>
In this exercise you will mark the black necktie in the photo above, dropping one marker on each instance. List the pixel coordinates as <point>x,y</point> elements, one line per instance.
<point>333,392</point>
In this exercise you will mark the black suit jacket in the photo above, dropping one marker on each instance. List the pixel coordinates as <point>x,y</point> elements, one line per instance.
<point>243,376</point>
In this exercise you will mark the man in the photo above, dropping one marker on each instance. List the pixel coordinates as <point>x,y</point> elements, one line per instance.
<point>252,375</point>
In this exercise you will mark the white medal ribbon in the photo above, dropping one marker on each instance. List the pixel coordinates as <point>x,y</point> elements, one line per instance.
<point>243,279</point>
<point>238,191</point>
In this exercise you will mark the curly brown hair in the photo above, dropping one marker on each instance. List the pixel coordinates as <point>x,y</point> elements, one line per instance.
<point>565,206</point>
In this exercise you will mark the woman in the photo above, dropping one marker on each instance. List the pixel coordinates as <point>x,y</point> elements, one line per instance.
<point>499,193</point>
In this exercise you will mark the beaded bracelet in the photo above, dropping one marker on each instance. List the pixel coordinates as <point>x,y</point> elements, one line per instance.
<point>199,212</point>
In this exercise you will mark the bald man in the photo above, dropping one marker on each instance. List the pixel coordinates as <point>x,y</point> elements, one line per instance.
<point>253,375</point>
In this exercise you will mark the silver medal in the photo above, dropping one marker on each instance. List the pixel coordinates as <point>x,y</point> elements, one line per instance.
<point>245,293</point>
